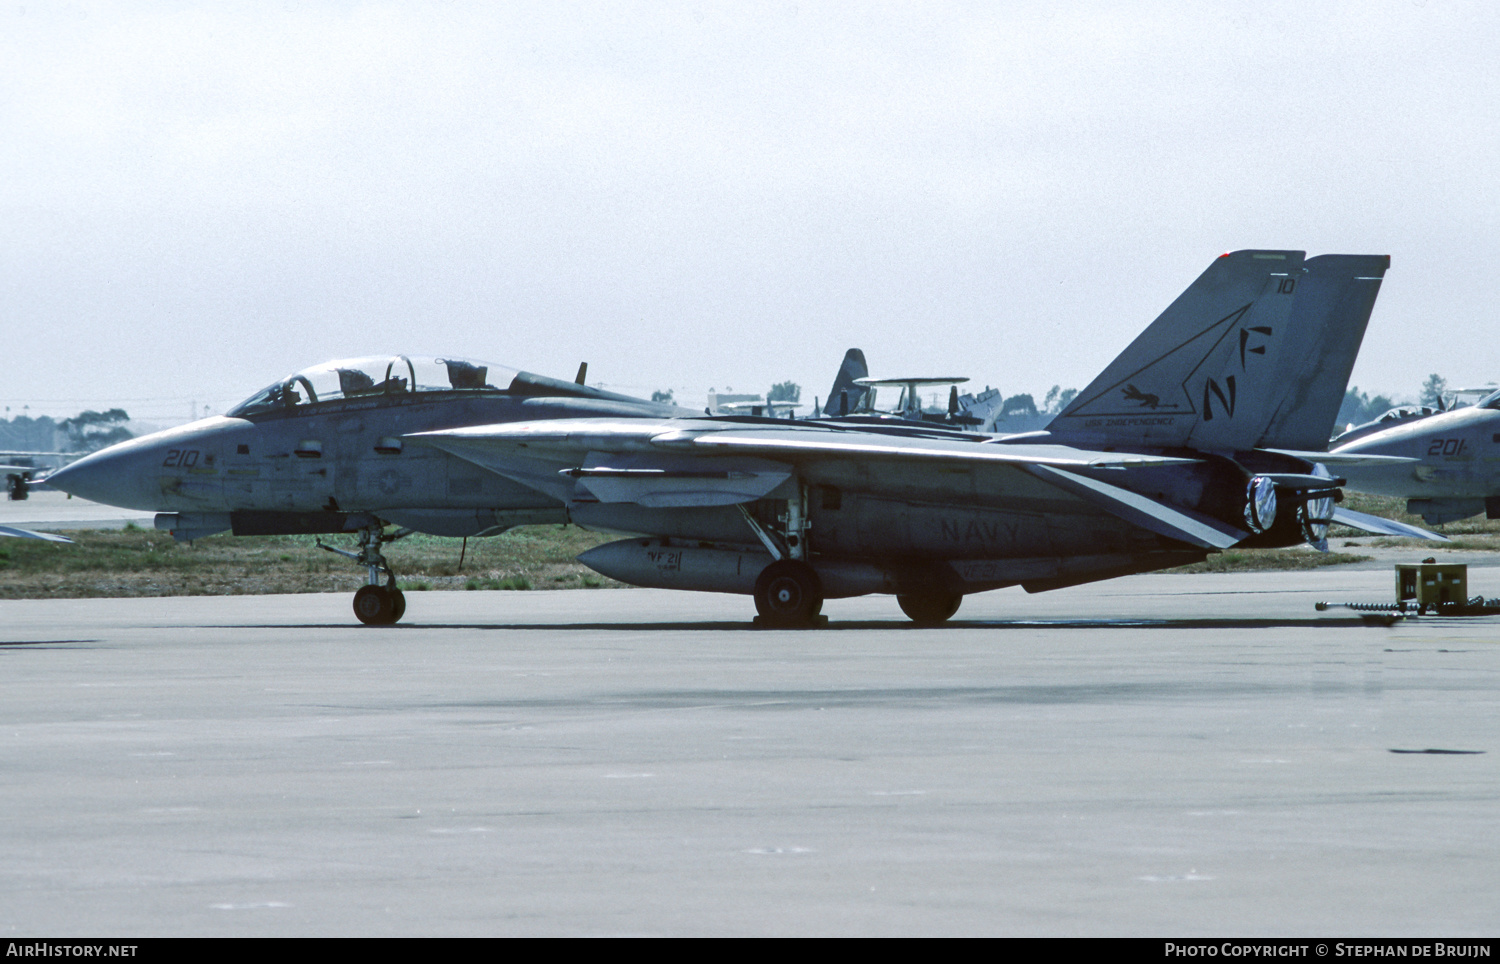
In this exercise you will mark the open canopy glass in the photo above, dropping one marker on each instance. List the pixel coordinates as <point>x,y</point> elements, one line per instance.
<point>377,375</point>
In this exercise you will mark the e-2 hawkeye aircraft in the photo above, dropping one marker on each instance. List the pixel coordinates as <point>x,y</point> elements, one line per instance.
<point>325,450</point>
<point>1208,432</point>
<point>856,397</point>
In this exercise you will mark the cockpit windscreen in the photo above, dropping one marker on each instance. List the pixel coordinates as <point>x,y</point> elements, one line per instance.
<point>375,376</point>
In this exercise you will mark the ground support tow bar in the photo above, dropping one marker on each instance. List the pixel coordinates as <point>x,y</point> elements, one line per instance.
<point>1427,587</point>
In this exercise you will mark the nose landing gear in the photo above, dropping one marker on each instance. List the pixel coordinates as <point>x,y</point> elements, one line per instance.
<point>374,604</point>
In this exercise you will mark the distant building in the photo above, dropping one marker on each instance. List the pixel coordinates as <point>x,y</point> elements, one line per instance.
<point>717,400</point>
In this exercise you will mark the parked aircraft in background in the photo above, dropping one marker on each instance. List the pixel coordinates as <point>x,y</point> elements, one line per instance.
<point>857,396</point>
<point>23,467</point>
<point>847,395</point>
<point>760,409</point>
<point>1400,415</point>
<point>18,481</point>
<point>1403,414</point>
<point>1208,432</point>
<point>1455,467</point>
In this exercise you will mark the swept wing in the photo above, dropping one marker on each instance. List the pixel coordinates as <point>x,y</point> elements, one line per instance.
<point>684,463</point>
<point>487,445</point>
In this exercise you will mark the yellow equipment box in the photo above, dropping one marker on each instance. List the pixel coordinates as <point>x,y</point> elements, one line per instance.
<point>1432,585</point>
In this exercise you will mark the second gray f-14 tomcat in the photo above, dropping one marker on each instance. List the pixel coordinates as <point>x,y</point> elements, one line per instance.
<point>324,451</point>
<point>1453,462</point>
<point>1207,432</point>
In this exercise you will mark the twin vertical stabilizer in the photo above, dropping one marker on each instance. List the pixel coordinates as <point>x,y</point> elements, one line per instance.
<point>1256,353</point>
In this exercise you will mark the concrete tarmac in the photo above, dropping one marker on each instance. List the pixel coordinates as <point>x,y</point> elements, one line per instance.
<point>1167,756</point>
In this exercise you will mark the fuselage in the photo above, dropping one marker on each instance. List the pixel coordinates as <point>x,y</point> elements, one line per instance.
<point>309,464</point>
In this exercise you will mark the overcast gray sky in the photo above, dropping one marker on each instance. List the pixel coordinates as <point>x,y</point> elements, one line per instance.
<point>200,198</point>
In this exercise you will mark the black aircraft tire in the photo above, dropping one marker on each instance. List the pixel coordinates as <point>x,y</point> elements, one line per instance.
<point>375,606</point>
<point>398,604</point>
<point>930,608</point>
<point>788,593</point>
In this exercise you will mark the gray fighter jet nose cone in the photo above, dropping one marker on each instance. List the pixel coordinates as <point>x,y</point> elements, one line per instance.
<point>92,478</point>
<point>111,477</point>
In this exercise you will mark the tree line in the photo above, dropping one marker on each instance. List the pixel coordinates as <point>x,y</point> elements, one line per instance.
<point>87,431</point>
<point>1358,407</point>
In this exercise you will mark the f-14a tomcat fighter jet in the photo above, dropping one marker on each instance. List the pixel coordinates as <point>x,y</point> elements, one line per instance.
<point>327,450</point>
<point>1246,370</point>
<point>1208,432</point>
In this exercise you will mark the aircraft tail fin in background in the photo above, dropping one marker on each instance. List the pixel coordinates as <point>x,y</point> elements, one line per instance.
<point>1253,353</point>
<point>845,396</point>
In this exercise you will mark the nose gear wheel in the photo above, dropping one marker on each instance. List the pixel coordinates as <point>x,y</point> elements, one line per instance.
<point>374,604</point>
<point>379,605</point>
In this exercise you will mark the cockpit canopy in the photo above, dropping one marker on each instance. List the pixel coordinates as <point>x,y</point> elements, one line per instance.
<point>375,376</point>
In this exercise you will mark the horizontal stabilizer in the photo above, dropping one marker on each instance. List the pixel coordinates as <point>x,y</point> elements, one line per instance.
<point>1340,458</point>
<point>28,534</point>
<point>1174,523</point>
<point>1385,527</point>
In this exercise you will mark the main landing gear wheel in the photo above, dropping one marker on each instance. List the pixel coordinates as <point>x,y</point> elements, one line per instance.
<point>379,605</point>
<point>788,593</point>
<point>930,608</point>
